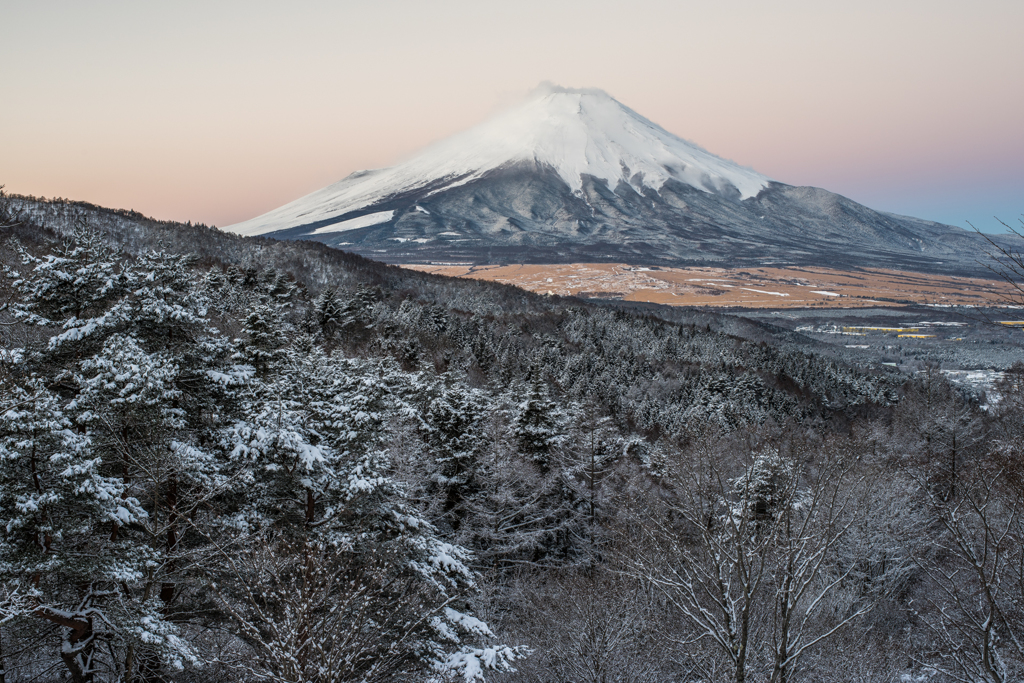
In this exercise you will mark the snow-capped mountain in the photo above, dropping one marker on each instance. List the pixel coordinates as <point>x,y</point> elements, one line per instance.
<point>576,133</point>
<point>572,174</point>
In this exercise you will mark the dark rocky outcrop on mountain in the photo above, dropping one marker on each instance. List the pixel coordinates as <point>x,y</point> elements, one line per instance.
<point>526,215</point>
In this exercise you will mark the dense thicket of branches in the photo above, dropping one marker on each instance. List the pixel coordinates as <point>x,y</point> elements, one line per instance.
<point>231,459</point>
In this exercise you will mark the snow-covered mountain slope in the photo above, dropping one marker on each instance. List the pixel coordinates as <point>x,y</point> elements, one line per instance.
<point>573,175</point>
<point>575,132</point>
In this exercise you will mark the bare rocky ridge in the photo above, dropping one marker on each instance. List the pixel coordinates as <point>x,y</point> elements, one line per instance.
<point>524,215</point>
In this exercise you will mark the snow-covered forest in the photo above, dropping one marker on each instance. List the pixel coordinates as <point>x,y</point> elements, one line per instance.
<point>234,459</point>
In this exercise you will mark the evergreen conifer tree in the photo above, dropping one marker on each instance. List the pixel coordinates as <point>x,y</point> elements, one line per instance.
<point>264,329</point>
<point>537,426</point>
<point>453,425</point>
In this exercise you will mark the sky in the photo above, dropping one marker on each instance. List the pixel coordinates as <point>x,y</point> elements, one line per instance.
<point>216,112</point>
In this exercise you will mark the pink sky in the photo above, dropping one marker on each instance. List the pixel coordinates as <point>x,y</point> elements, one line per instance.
<point>217,112</point>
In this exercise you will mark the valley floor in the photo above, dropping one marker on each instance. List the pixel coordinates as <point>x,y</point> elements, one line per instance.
<point>798,287</point>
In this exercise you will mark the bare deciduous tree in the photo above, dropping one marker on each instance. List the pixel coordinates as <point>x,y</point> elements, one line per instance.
<point>751,562</point>
<point>973,609</point>
<point>1007,263</point>
<point>588,627</point>
<point>309,612</point>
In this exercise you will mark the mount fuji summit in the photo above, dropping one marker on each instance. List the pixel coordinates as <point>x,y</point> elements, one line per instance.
<point>573,175</point>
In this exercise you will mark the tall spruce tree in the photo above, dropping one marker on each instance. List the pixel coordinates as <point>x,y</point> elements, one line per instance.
<point>538,425</point>
<point>453,427</point>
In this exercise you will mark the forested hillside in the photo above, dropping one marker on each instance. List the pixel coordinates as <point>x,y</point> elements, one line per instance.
<point>239,459</point>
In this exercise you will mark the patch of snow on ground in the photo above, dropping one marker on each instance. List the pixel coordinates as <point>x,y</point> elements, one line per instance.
<point>978,380</point>
<point>823,292</point>
<point>356,223</point>
<point>761,291</point>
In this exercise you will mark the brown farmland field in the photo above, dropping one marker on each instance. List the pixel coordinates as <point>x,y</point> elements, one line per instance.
<point>798,287</point>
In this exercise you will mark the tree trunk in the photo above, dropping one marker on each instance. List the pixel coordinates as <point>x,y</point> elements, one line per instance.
<point>171,500</point>
<point>3,668</point>
<point>78,646</point>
